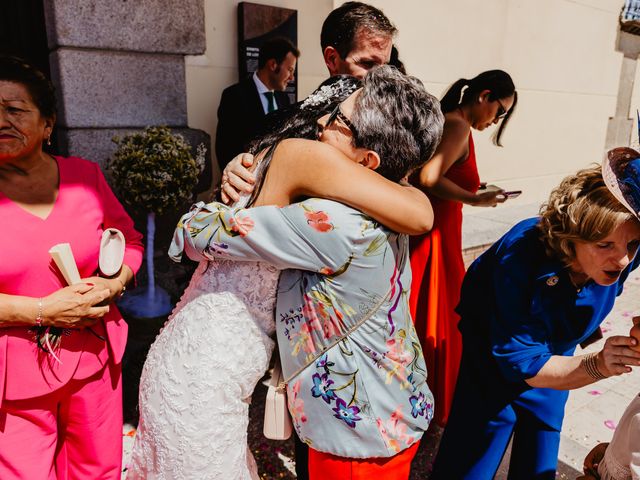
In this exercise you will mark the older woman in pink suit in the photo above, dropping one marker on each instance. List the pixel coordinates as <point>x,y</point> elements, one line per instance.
<point>61,401</point>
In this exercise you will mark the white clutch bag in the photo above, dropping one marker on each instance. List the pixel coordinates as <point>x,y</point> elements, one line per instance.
<point>277,421</point>
<point>111,252</point>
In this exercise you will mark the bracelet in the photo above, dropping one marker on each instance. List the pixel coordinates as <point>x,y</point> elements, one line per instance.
<point>39,315</point>
<point>589,362</point>
<point>124,287</point>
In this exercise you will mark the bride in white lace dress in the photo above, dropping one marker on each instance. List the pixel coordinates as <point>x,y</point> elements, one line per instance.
<point>200,373</point>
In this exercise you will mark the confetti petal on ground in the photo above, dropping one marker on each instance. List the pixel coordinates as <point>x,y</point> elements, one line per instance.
<point>594,392</point>
<point>610,424</point>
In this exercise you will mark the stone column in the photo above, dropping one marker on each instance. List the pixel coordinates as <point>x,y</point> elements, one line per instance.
<point>620,128</point>
<point>119,66</point>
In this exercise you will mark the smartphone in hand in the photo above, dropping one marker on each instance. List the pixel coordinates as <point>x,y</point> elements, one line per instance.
<point>513,193</point>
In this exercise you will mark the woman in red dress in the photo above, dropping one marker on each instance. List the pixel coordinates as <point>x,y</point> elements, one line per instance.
<point>451,179</point>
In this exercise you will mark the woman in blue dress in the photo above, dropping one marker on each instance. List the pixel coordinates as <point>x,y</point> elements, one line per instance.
<point>525,305</point>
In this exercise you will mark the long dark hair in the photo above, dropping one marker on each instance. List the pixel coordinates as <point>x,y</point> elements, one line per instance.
<point>498,82</point>
<point>300,120</point>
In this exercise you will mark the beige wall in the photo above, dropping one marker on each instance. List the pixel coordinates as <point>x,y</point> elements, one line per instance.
<point>561,54</point>
<point>207,75</point>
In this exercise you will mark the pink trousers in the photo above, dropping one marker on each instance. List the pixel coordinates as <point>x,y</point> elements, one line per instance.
<point>72,433</point>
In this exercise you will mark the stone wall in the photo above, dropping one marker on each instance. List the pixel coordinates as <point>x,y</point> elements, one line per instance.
<point>119,66</point>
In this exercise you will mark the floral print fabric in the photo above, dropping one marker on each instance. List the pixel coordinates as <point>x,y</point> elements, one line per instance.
<point>360,394</point>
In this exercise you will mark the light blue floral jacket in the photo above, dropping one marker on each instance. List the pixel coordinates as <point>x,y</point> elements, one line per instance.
<point>361,396</point>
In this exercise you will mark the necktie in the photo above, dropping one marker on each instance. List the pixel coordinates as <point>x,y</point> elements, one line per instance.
<point>271,104</point>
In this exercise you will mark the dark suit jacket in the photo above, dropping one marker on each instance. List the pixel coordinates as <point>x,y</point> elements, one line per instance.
<point>240,118</point>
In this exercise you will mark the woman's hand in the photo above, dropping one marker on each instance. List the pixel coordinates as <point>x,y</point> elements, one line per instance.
<point>617,355</point>
<point>115,286</point>
<point>75,306</point>
<point>489,198</point>
<point>237,179</point>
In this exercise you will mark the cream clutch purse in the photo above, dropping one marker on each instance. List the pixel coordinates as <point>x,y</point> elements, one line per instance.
<point>277,421</point>
<point>111,252</point>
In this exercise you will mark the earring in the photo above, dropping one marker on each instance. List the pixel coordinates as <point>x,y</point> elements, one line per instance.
<point>49,140</point>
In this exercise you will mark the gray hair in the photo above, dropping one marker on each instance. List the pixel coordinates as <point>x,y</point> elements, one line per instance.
<point>397,118</point>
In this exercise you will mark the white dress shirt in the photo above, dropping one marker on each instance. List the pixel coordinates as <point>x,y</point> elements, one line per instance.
<point>262,89</point>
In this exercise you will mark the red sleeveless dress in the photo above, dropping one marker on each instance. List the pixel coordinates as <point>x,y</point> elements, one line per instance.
<point>438,269</point>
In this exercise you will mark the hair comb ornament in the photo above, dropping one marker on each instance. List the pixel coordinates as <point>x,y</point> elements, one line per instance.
<point>343,87</point>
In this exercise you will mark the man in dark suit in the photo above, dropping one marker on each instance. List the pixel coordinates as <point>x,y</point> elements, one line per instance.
<point>244,105</point>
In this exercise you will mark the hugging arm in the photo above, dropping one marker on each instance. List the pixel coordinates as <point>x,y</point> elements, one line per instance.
<point>316,169</point>
<point>301,236</point>
<point>305,168</point>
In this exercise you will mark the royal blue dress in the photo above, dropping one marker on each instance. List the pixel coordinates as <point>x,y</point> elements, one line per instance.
<point>518,307</point>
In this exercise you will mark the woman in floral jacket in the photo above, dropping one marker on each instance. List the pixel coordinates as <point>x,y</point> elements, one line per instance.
<point>217,345</point>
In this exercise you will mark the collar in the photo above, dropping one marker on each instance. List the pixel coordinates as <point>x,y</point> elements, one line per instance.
<point>262,88</point>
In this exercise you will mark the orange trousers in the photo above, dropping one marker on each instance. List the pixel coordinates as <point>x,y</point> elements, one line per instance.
<point>325,465</point>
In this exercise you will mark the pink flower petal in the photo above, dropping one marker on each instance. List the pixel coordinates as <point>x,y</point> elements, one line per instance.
<point>610,424</point>
<point>594,392</point>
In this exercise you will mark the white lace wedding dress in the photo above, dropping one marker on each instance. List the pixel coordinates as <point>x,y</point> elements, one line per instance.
<point>200,373</point>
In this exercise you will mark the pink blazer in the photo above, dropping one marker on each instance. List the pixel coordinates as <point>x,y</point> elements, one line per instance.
<point>85,206</point>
